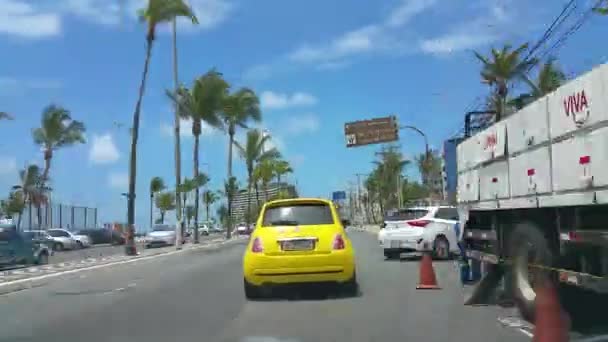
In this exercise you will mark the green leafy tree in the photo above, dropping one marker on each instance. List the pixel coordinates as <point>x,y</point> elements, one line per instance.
<point>165,201</point>
<point>222,214</point>
<point>602,8</point>
<point>231,187</point>
<point>57,130</point>
<point>209,197</point>
<point>31,190</point>
<point>190,215</point>
<point>5,116</point>
<point>501,69</point>
<point>240,107</point>
<point>253,152</point>
<point>549,78</point>
<point>157,185</point>
<point>429,167</point>
<point>264,171</point>
<point>156,12</point>
<point>201,104</point>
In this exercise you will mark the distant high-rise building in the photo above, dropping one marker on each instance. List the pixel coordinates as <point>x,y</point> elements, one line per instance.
<point>239,202</point>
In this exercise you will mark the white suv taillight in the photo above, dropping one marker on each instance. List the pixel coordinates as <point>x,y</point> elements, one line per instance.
<point>338,242</point>
<point>256,246</point>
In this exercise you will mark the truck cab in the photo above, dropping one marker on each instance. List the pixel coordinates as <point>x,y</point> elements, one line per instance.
<point>18,248</point>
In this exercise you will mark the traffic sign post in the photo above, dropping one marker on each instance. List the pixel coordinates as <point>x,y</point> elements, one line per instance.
<point>374,131</point>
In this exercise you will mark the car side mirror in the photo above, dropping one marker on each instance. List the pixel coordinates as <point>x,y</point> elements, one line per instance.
<point>345,223</point>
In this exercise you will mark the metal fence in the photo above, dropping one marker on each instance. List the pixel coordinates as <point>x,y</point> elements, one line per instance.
<point>58,216</point>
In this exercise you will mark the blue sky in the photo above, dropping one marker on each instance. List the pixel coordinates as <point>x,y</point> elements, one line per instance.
<point>315,64</point>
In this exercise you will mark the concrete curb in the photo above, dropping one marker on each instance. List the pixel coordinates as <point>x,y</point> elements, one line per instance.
<point>37,281</point>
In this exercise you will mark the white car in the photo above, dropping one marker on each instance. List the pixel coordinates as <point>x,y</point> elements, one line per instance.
<point>161,235</point>
<point>64,239</point>
<point>421,229</point>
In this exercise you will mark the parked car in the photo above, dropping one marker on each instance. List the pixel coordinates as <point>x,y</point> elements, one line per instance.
<point>419,229</point>
<point>17,248</point>
<point>101,235</point>
<point>64,239</point>
<point>40,236</point>
<point>161,235</point>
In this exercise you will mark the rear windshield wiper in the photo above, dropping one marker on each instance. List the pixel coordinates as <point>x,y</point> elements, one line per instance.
<point>284,223</point>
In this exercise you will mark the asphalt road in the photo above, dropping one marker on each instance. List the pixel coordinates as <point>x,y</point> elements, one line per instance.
<point>198,296</point>
<point>99,251</point>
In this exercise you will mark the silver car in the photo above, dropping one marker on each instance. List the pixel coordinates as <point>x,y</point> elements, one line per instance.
<point>63,239</point>
<point>161,235</point>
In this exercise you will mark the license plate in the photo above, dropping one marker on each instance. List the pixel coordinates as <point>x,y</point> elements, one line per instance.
<point>395,244</point>
<point>297,245</point>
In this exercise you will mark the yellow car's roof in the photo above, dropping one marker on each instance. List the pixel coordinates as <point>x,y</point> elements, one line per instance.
<point>299,200</point>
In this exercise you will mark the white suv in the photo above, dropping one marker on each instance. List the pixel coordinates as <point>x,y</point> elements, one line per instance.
<point>419,229</point>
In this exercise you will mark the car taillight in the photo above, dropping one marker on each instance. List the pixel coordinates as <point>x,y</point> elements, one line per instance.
<point>256,246</point>
<point>419,223</point>
<point>338,242</point>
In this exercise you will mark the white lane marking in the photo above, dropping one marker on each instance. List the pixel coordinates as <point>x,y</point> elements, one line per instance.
<point>94,267</point>
<point>525,332</point>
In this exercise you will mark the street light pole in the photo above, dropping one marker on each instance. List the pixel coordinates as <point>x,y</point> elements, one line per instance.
<point>426,148</point>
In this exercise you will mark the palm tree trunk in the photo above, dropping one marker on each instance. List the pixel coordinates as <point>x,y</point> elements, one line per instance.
<point>162,217</point>
<point>39,215</point>
<point>48,155</point>
<point>257,194</point>
<point>151,207</point>
<point>249,199</point>
<point>130,243</point>
<point>230,143</point>
<point>178,162</point>
<point>196,192</point>
<point>207,211</point>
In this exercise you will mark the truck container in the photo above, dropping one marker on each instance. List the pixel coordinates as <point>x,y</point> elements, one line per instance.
<point>533,192</point>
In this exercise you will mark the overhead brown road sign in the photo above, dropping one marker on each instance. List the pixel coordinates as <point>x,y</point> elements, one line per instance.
<point>374,131</point>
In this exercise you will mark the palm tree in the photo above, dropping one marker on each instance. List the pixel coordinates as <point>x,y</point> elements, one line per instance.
<point>201,104</point>
<point>281,168</point>
<point>602,10</point>
<point>209,197</point>
<point>57,130</point>
<point>222,214</point>
<point>429,167</point>
<point>5,116</point>
<point>550,77</point>
<point>31,189</point>
<point>252,153</point>
<point>231,187</point>
<point>189,213</point>
<point>156,185</point>
<point>265,172</point>
<point>239,108</point>
<point>502,68</point>
<point>157,12</point>
<point>165,201</point>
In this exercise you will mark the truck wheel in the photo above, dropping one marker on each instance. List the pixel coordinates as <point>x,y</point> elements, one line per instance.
<point>528,245</point>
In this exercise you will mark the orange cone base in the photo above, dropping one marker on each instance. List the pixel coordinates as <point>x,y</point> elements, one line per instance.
<point>427,287</point>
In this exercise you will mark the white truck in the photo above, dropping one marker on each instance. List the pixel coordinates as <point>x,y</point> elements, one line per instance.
<point>533,192</point>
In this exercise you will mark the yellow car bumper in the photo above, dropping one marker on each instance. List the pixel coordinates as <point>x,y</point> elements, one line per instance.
<point>266,270</point>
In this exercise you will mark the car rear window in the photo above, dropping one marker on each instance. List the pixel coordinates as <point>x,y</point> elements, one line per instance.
<point>406,214</point>
<point>298,214</point>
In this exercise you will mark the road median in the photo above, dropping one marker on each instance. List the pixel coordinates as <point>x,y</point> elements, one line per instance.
<point>35,276</point>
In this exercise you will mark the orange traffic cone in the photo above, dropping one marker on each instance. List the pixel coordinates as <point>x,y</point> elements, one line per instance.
<point>551,323</point>
<point>427,274</point>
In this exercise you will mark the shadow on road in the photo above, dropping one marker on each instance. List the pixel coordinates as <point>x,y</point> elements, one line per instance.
<point>308,293</point>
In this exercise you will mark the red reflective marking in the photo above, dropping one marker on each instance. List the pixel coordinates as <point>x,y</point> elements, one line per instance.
<point>584,160</point>
<point>531,172</point>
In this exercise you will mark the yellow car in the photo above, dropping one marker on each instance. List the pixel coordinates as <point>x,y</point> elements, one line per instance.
<point>298,240</point>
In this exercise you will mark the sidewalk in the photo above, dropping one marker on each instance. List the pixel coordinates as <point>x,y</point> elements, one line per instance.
<point>9,276</point>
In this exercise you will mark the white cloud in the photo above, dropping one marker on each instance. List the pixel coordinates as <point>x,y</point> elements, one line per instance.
<point>272,100</point>
<point>382,37</point>
<point>8,165</point>
<point>22,19</point>
<point>407,10</point>
<point>185,129</point>
<point>103,150</point>
<point>43,18</point>
<point>489,26</point>
<point>118,180</point>
<point>307,123</point>
<point>455,42</point>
